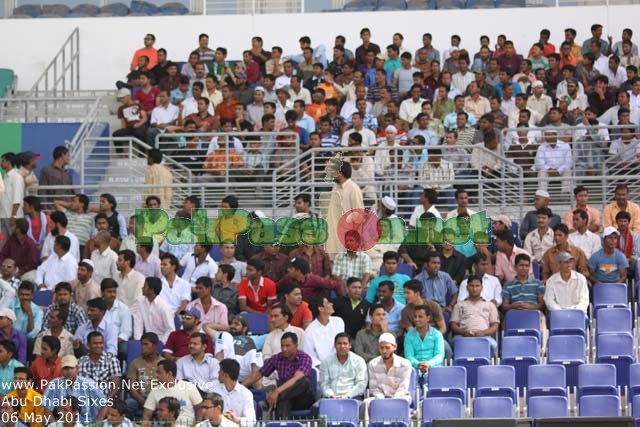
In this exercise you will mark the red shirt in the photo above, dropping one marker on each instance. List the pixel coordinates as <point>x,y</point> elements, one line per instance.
<point>43,374</point>
<point>302,314</point>
<point>178,344</point>
<point>257,302</point>
<point>253,72</point>
<point>227,110</point>
<point>147,100</point>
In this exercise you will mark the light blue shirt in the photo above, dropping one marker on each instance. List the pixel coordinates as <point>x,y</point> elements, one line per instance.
<point>204,374</point>
<point>22,320</point>
<point>393,317</point>
<point>430,137</point>
<point>348,379</point>
<point>451,120</point>
<point>120,318</point>
<point>85,389</point>
<point>6,376</point>
<point>438,288</point>
<point>430,349</point>
<point>306,123</point>
<point>398,291</point>
<point>109,333</point>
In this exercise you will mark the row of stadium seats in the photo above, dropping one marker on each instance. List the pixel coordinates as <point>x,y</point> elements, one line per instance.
<point>384,5</point>
<point>137,8</point>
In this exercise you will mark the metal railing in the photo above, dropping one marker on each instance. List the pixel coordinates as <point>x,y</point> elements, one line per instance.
<point>62,75</point>
<point>51,109</point>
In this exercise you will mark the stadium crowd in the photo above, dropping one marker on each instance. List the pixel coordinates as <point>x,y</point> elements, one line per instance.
<point>366,319</point>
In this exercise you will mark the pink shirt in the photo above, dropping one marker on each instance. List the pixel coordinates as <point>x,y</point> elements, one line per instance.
<point>506,268</point>
<point>217,312</point>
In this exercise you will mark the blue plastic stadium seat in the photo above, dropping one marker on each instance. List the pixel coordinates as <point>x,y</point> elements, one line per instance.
<point>258,322</point>
<point>86,9</point>
<point>115,9</point>
<point>32,10</point>
<point>421,4</point>
<point>567,322</point>
<point>43,297</point>
<point>614,320</point>
<point>521,352</point>
<point>389,413</point>
<point>523,322</point>
<point>567,350</point>
<point>339,412</point>
<point>548,407</point>
<point>392,5</point>
<point>597,379</point>
<point>493,407</point>
<point>173,8</point>
<point>448,381</point>
<point>634,381</point>
<point>609,295</point>
<point>511,3</point>
<point>497,381</point>
<point>361,5</point>
<point>58,10</point>
<point>485,4</point>
<point>547,380</point>
<point>450,4</point>
<point>599,406</point>
<point>616,349</point>
<point>471,353</point>
<point>441,408</point>
<point>142,7</point>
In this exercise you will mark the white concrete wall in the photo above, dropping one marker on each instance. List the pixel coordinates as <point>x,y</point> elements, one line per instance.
<point>107,44</point>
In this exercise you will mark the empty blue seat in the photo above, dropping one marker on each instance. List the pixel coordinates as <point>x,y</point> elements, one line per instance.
<point>361,5</point>
<point>497,381</point>
<point>115,9</point>
<point>616,349</point>
<point>339,412</point>
<point>86,9</point>
<point>535,266</point>
<point>609,295</point>
<point>547,407</point>
<point>634,380</point>
<point>441,408</point>
<point>547,380</point>
<point>258,322</point>
<point>599,406</point>
<point>597,379</point>
<point>32,10</point>
<point>567,322</point>
<point>511,3</point>
<point>523,322</point>
<point>567,350</point>
<point>392,5</point>
<point>635,409</point>
<point>614,320</point>
<point>471,353</point>
<point>520,352</point>
<point>493,407</point>
<point>448,381</point>
<point>389,412</point>
<point>57,10</point>
<point>43,297</point>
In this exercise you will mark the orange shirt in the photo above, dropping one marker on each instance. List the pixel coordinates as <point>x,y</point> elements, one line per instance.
<point>227,110</point>
<point>151,53</point>
<point>612,209</point>
<point>315,111</point>
<point>329,91</point>
<point>302,314</point>
<point>571,60</point>
<point>43,374</point>
<point>216,162</point>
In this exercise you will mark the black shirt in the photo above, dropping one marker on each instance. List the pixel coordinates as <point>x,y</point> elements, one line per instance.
<point>455,265</point>
<point>354,319</point>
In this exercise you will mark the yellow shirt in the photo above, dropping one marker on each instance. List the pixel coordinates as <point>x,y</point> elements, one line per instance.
<point>29,412</point>
<point>612,209</point>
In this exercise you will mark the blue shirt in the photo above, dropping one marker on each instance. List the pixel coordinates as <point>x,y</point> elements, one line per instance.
<point>393,317</point>
<point>606,269</point>
<point>109,333</point>
<point>438,288</point>
<point>306,123</point>
<point>85,389</point>
<point>451,120</point>
<point>430,137</point>
<point>398,291</point>
<point>516,89</point>
<point>430,349</point>
<point>6,376</point>
<point>526,292</point>
<point>177,95</point>
<point>22,320</point>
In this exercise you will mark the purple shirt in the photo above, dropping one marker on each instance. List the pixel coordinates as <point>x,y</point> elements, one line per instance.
<point>286,368</point>
<point>513,63</point>
<point>20,340</point>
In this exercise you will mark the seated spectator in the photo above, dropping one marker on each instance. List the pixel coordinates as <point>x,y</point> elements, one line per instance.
<point>101,222</point>
<point>133,117</point>
<point>29,316</point>
<point>55,328</point>
<point>582,237</point>
<point>197,366</point>
<point>9,283</point>
<point>8,361</point>
<point>292,298</point>
<point>390,262</point>
<point>20,248</point>
<point>352,262</point>
<point>197,264</point>
<point>151,313</point>
<point>581,195</point>
<point>628,243</point>
<point>256,293</point>
<point>311,285</point>
<point>389,374</point>
<point>168,411</point>
<point>31,410</point>
<point>61,266</point>
<point>567,289</point>
<point>163,116</point>
<point>315,256</point>
<point>64,301</point>
<point>104,258</point>
<point>554,158</point>
<point>223,291</point>
<point>238,400</point>
<point>275,263</point>
<point>437,285</point>
<point>96,310</point>
<point>84,286</point>
<point>392,307</point>
<point>176,291</point>
<point>621,203</point>
<point>101,366</point>
<point>423,345</point>
<point>177,344</point>
<point>186,395</point>
<point>352,308</point>
<point>8,332</point>
<point>491,288</point>
<point>147,263</point>
<point>523,292</point>
<point>214,415</point>
<point>549,262</point>
<point>59,223</point>
<point>129,281</point>
<point>117,412</point>
<point>530,220</point>
<point>540,240</point>
<point>608,265</point>
<point>294,387</point>
<point>475,316</point>
<point>323,328</point>
<point>343,375</point>
<point>117,315</point>
<point>142,373</point>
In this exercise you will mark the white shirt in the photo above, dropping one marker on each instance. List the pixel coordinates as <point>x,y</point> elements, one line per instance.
<point>634,102</point>
<point>282,82</point>
<point>601,64</point>
<point>161,115</point>
<point>239,400</point>
<point>616,78</point>
<point>154,316</point>
<point>368,137</point>
<point>589,242</point>
<point>610,117</point>
<point>572,294</point>
<point>418,211</point>
<point>193,272</point>
<point>304,95</point>
<point>47,246</point>
<point>561,90</point>
<point>628,152</point>
<point>119,316</point>
<point>55,270</point>
<point>176,294</point>
<point>542,105</point>
<point>454,213</point>
<point>104,264</point>
<point>319,338</point>
<point>410,109</point>
<point>460,81</point>
<point>581,102</point>
<point>556,158</point>
<point>191,107</point>
<point>8,293</point>
<point>13,194</point>
<point>130,287</point>
<point>507,106</point>
<point>491,289</point>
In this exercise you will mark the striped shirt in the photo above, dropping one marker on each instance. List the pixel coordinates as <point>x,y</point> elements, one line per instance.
<point>526,292</point>
<point>345,265</point>
<point>80,224</point>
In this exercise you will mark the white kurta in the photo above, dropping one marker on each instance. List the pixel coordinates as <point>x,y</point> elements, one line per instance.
<point>344,198</point>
